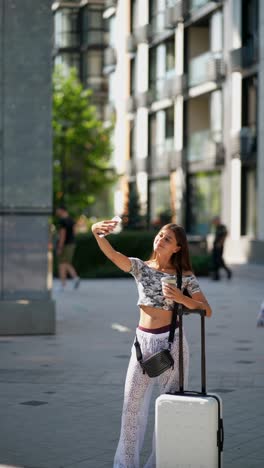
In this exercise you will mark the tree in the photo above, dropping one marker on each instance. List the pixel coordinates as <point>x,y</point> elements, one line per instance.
<point>81,145</point>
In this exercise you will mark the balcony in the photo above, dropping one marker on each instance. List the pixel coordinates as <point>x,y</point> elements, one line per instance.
<point>143,34</point>
<point>244,57</point>
<point>175,14</point>
<point>205,147</point>
<point>94,38</point>
<point>97,83</point>
<point>197,4</point>
<point>200,8</point>
<point>167,87</point>
<point>244,145</point>
<point>67,40</point>
<point>162,157</point>
<point>109,60</point>
<point>135,165</point>
<point>207,67</point>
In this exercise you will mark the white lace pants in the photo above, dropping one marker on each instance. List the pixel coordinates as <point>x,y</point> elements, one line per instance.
<point>138,389</point>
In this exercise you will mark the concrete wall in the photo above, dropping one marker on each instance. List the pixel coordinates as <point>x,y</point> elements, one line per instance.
<point>25,165</point>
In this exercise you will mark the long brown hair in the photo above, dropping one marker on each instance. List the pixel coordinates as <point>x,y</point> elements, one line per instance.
<point>181,259</point>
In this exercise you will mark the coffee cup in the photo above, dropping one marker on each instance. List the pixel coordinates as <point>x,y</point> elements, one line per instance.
<point>168,280</point>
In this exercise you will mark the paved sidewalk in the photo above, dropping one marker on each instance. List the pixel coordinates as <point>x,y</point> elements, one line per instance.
<point>61,396</point>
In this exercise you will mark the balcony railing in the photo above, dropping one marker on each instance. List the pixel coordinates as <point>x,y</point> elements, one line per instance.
<point>245,56</point>
<point>204,146</point>
<point>196,4</point>
<point>174,13</point>
<point>206,67</point>
<point>67,40</point>
<point>166,87</point>
<point>161,156</point>
<point>97,83</point>
<point>135,164</point>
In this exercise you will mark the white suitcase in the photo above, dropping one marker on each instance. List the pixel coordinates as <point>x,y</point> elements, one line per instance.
<point>189,425</point>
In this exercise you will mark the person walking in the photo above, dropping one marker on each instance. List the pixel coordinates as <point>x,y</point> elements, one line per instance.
<point>65,248</point>
<point>218,249</point>
<point>170,257</point>
<point>260,317</point>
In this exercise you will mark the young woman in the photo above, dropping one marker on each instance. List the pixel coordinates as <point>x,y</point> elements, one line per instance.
<point>170,255</point>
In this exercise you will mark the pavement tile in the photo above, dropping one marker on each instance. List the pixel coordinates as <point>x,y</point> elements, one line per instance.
<point>79,373</point>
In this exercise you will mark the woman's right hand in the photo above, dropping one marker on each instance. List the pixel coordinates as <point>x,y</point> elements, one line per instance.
<point>104,227</point>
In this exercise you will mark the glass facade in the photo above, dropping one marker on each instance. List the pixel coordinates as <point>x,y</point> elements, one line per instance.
<point>93,27</point>
<point>66,28</point>
<point>159,200</point>
<point>161,67</point>
<point>204,201</point>
<point>93,69</point>
<point>80,38</point>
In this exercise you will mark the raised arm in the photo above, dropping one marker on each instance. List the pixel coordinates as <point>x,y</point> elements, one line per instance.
<point>106,227</point>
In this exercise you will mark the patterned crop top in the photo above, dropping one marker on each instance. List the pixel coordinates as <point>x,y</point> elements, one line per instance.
<point>149,284</point>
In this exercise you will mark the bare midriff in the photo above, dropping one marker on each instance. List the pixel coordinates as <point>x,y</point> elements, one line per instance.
<point>151,317</point>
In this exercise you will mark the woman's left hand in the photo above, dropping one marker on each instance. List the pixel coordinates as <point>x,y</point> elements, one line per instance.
<point>172,292</point>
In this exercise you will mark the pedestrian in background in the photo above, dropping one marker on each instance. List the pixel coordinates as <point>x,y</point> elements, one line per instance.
<point>65,248</point>
<point>156,303</point>
<point>218,249</point>
<point>260,318</point>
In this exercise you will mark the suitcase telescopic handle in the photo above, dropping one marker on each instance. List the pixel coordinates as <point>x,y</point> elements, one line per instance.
<point>183,311</point>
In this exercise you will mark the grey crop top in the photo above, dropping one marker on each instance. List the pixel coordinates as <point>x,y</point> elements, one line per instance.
<point>149,284</point>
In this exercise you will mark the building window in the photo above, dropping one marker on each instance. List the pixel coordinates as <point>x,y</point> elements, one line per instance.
<point>133,74</point>
<point>66,26</point>
<point>132,142</point>
<point>68,60</point>
<point>248,202</point>
<point>161,141</point>
<point>93,68</point>
<point>249,103</point>
<point>93,27</point>
<point>134,15</point>
<point>156,16</point>
<point>204,191</point>
<point>161,67</point>
<point>170,55</point>
<point>250,24</point>
<point>169,123</point>
<point>159,202</point>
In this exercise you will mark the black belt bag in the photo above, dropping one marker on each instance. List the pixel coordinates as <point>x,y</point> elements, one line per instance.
<point>162,360</point>
<point>155,364</point>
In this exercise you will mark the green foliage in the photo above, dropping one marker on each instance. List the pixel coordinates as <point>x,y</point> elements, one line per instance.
<point>81,145</point>
<point>90,262</point>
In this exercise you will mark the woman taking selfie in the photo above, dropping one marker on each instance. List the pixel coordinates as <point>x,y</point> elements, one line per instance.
<point>170,259</point>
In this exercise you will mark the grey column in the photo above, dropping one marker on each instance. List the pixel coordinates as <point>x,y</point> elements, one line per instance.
<point>25,166</point>
<point>260,135</point>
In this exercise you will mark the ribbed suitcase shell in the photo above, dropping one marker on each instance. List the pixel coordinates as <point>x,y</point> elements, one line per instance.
<point>189,425</point>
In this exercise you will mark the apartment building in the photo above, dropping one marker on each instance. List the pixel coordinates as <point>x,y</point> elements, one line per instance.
<point>186,81</point>
<point>80,38</point>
